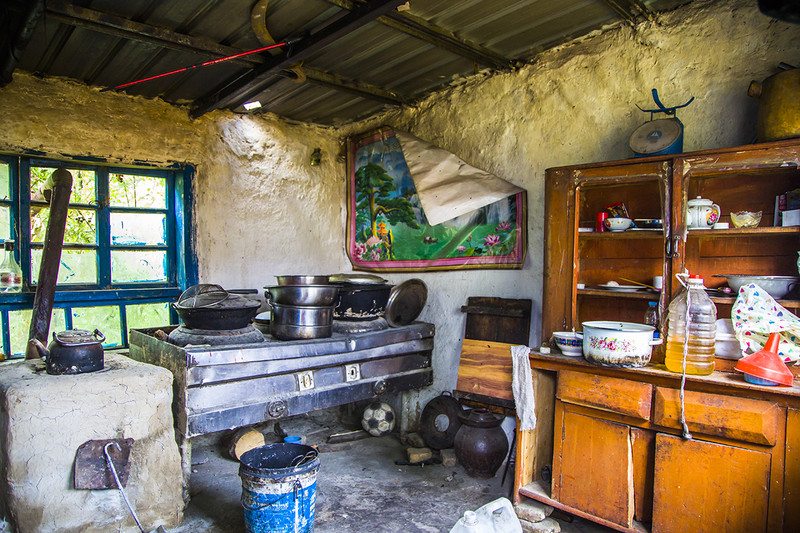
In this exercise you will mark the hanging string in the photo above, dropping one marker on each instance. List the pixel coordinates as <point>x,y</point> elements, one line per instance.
<point>687,321</point>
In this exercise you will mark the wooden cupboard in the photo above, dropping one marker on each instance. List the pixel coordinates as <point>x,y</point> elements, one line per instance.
<point>608,446</point>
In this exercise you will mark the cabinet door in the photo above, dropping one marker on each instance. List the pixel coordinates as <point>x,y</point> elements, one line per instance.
<point>575,253</point>
<point>703,486</point>
<point>749,179</point>
<point>594,468</point>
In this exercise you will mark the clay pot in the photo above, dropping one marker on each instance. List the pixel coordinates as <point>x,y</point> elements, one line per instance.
<point>481,444</point>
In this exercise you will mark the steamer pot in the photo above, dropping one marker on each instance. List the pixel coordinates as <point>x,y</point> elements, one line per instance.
<point>295,322</point>
<point>622,344</point>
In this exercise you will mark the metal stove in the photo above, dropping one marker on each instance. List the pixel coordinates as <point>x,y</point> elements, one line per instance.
<point>219,387</point>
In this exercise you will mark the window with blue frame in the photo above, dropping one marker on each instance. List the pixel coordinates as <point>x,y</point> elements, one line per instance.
<point>126,254</point>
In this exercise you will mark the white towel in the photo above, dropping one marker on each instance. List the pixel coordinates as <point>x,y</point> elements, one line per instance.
<point>522,387</point>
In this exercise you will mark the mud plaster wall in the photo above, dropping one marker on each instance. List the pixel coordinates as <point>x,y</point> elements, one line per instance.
<point>261,209</point>
<point>575,104</point>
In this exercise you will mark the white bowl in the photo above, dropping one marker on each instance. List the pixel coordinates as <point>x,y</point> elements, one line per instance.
<point>569,342</point>
<point>617,224</point>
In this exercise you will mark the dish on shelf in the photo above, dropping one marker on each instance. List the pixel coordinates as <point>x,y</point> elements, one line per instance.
<point>746,219</point>
<point>621,288</point>
<point>775,286</point>
<point>569,342</point>
<point>648,223</point>
<point>617,224</point>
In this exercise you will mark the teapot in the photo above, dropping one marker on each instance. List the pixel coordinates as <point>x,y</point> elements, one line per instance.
<point>702,213</point>
<point>74,351</point>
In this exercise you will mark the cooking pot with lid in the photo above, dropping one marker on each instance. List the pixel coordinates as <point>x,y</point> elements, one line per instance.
<point>209,306</point>
<point>779,104</point>
<point>74,351</point>
<point>623,344</point>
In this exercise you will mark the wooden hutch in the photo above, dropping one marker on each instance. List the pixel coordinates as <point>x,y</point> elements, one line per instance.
<point>608,444</point>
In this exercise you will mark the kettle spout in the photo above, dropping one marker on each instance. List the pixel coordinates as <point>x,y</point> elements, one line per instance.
<point>36,349</point>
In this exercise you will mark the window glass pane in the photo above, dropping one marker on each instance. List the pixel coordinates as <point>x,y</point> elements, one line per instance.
<point>5,184</point>
<point>5,223</point>
<point>138,228</point>
<point>77,266</point>
<point>147,315</point>
<point>138,266</point>
<point>20,326</point>
<point>83,184</point>
<point>106,319</point>
<point>80,228</point>
<point>137,191</point>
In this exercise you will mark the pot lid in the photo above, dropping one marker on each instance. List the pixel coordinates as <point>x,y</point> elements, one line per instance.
<point>207,295</point>
<point>356,277</point>
<point>406,302</point>
<point>75,337</point>
<point>699,201</point>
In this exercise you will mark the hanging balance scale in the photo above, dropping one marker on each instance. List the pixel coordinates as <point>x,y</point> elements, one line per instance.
<point>661,136</point>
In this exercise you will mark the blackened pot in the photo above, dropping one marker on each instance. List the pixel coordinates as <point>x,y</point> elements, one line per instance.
<point>236,313</point>
<point>361,301</point>
<point>481,444</point>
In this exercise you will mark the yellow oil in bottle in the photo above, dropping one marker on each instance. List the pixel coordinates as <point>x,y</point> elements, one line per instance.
<point>699,360</point>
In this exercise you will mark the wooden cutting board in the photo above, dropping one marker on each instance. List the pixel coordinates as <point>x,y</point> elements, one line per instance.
<point>486,369</point>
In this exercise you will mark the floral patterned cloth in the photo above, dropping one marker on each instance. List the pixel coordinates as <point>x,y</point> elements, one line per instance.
<point>756,314</point>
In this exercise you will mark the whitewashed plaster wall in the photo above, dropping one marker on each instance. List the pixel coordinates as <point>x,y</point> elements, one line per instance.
<point>576,104</point>
<point>261,209</point>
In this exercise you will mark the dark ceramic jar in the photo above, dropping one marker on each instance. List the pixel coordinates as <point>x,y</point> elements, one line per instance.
<point>481,444</point>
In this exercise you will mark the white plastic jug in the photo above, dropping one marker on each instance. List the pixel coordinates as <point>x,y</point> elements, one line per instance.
<point>497,516</point>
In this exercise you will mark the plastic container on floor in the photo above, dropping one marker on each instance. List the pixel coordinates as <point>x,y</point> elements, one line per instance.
<point>700,333</point>
<point>497,516</point>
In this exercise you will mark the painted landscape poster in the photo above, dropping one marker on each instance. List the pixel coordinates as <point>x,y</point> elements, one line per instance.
<point>387,228</point>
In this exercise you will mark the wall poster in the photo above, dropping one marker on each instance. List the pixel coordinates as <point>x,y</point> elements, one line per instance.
<point>387,229</point>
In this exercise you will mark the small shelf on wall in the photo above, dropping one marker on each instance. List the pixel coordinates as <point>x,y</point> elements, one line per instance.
<point>628,234</point>
<point>603,293</point>
<point>745,232</point>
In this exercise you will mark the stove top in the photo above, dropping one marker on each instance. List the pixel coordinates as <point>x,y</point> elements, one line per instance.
<point>183,336</point>
<point>359,326</point>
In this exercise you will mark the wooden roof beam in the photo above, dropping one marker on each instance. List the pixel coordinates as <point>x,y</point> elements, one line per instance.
<point>16,39</point>
<point>422,29</point>
<point>238,90</point>
<point>136,31</point>
<point>630,9</point>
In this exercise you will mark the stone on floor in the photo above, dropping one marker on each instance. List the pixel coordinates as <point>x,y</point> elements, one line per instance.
<point>548,525</point>
<point>532,511</point>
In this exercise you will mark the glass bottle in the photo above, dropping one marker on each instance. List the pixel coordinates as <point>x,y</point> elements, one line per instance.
<point>10,271</point>
<point>651,318</point>
<point>701,328</point>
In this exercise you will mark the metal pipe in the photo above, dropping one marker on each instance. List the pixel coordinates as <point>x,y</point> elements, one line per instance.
<point>60,182</point>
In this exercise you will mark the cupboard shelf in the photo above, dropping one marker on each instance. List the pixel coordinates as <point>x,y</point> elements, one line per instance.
<point>744,232</point>
<point>640,234</point>
<point>600,293</point>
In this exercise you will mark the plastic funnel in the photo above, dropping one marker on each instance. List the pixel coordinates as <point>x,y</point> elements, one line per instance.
<point>767,364</point>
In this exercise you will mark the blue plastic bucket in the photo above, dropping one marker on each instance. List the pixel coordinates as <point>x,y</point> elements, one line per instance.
<point>279,488</point>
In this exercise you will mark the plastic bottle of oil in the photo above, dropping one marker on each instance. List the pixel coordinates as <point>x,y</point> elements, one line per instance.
<point>702,330</point>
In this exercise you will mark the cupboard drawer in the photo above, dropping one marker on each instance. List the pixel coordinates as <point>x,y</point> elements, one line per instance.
<point>733,418</point>
<point>622,396</point>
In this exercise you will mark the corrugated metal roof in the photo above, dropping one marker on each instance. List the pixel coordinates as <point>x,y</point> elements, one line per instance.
<point>399,57</point>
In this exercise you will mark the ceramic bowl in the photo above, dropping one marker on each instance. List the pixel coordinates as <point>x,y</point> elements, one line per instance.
<point>776,286</point>
<point>617,224</point>
<point>746,219</point>
<point>569,342</point>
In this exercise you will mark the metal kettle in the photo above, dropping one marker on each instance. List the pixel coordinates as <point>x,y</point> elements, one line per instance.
<point>74,351</point>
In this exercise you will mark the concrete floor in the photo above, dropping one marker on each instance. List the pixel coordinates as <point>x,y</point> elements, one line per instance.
<point>359,488</point>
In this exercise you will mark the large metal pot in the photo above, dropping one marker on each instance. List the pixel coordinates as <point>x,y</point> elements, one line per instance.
<point>361,301</point>
<point>210,306</point>
<point>302,280</point>
<point>290,322</point>
<point>622,344</point>
<point>74,351</point>
<point>303,295</point>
